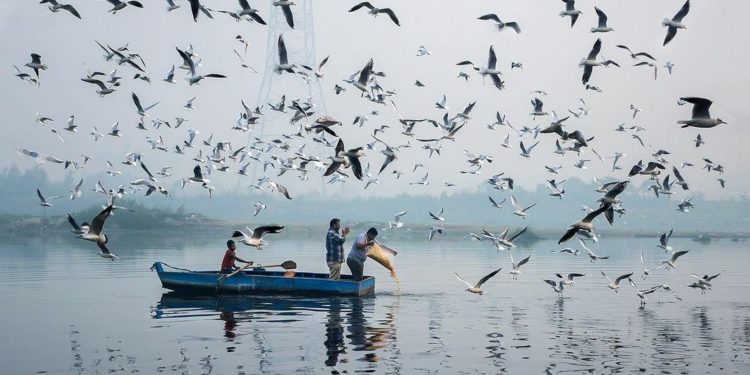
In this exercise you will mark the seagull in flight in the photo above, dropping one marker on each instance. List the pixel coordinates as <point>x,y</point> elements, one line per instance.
<point>256,237</point>
<point>55,7</point>
<point>676,22</point>
<point>517,266</point>
<point>141,110</point>
<point>118,5</point>
<point>397,223</point>
<point>571,11</point>
<point>616,284</point>
<point>375,11</point>
<point>601,26</point>
<point>519,211</point>
<point>590,61</point>
<point>669,262</point>
<point>286,8</point>
<point>45,202</point>
<point>195,78</point>
<point>701,118</point>
<point>95,234</point>
<point>568,280</point>
<point>476,288</point>
<point>594,257</point>
<point>500,24</point>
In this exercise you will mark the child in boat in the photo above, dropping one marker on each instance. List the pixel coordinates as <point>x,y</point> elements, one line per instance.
<point>227,264</point>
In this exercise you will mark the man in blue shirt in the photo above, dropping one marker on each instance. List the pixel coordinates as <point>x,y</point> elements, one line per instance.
<point>335,248</point>
<point>358,254</point>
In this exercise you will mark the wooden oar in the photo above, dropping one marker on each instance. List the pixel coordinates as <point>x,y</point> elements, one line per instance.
<point>288,265</point>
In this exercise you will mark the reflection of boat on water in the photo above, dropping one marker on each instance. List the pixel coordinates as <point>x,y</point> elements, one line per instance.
<point>259,281</point>
<point>186,302</point>
<point>348,322</point>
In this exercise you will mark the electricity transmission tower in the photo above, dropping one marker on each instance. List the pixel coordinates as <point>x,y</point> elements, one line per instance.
<point>300,45</point>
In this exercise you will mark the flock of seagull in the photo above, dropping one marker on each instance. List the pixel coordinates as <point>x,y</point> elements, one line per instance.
<point>287,154</point>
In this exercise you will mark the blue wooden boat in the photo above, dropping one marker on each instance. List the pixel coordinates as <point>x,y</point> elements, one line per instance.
<point>260,281</point>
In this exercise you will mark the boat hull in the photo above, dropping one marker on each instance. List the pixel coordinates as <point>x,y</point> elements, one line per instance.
<point>263,282</point>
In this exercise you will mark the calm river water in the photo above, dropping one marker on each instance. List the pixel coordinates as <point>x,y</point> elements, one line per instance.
<point>67,311</point>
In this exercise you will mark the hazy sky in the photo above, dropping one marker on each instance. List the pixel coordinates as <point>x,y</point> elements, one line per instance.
<point>709,58</point>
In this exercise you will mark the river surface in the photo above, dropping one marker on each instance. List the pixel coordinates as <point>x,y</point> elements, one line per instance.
<point>68,311</point>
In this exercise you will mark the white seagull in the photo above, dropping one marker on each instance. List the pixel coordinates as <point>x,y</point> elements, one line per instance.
<point>256,238</point>
<point>676,22</point>
<point>616,284</point>
<point>476,288</point>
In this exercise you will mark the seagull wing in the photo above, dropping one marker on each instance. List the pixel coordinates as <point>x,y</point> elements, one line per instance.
<point>595,50</point>
<point>678,254</point>
<point>493,17</point>
<point>524,261</point>
<point>608,279</point>
<point>137,103</point>
<point>70,9</point>
<point>515,26</point>
<point>390,14</point>
<point>617,281</point>
<point>282,51</point>
<point>700,106</point>
<point>551,283</point>
<point>103,248</point>
<point>522,231</point>
<point>287,10</point>
<point>463,281</point>
<point>259,232</point>
<point>197,172</point>
<point>602,17</point>
<point>682,12</point>
<point>360,5</point>
<point>489,276</point>
<point>187,60</point>
<point>41,197</point>
<point>98,223</point>
<point>492,59</point>
<point>73,223</point>
<point>671,32</point>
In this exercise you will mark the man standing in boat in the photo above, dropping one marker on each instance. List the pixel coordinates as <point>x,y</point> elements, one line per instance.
<point>358,254</point>
<point>227,264</point>
<point>335,248</point>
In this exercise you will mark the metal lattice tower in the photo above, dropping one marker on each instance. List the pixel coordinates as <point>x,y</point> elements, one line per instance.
<point>300,45</point>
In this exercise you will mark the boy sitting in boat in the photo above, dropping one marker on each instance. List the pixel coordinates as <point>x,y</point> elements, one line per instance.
<point>227,264</point>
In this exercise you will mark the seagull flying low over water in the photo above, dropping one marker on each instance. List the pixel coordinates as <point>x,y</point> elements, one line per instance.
<point>519,210</point>
<point>375,11</point>
<point>95,234</point>
<point>701,118</point>
<point>45,202</point>
<point>397,223</point>
<point>476,288</point>
<point>676,22</point>
<point>669,262</point>
<point>594,257</point>
<point>517,266</point>
<point>616,284</point>
<point>256,238</point>
<point>568,279</point>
